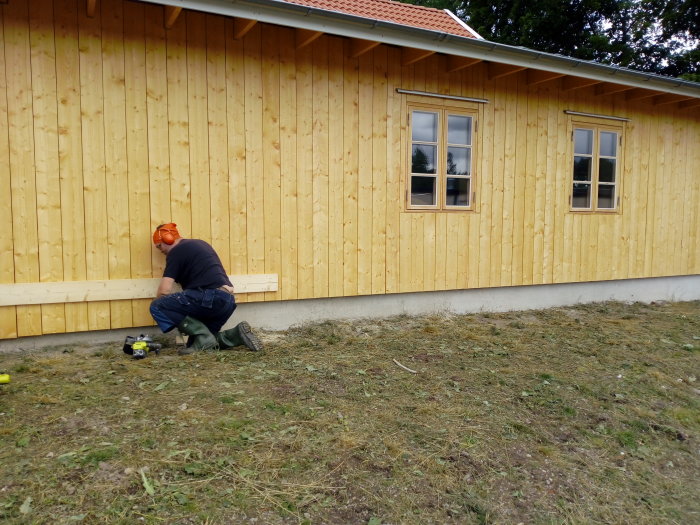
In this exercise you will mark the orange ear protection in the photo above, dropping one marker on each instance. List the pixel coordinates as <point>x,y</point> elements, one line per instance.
<point>166,234</point>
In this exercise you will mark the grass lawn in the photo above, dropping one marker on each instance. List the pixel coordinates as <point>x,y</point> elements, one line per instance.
<point>587,414</point>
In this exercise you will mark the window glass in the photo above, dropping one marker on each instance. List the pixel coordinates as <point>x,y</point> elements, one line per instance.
<point>582,195</point>
<point>457,192</point>
<point>608,144</point>
<point>458,161</point>
<point>582,168</point>
<point>423,191</point>
<point>424,126</point>
<point>606,170</point>
<point>583,141</point>
<point>459,130</point>
<point>606,196</point>
<point>423,159</point>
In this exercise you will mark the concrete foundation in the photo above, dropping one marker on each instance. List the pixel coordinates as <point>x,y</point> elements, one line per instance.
<point>281,315</point>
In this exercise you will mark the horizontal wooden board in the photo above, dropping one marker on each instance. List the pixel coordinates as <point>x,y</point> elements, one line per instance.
<point>89,291</point>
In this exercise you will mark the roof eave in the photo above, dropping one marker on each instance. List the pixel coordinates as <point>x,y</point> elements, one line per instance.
<point>336,23</point>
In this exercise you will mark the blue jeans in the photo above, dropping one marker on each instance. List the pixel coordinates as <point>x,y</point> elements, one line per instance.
<point>211,307</point>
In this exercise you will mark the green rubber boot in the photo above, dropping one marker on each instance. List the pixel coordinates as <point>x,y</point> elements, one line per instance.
<point>241,334</point>
<point>200,338</point>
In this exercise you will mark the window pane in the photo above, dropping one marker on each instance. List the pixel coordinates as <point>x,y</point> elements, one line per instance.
<point>423,159</point>
<point>459,161</point>
<point>606,196</point>
<point>457,192</point>
<point>459,130</point>
<point>424,126</point>
<point>582,168</point>
<point>583,141</point>
<point>606,171</point>
<point>582,196</point>
<point>608,144</point>
<point>423,191</point>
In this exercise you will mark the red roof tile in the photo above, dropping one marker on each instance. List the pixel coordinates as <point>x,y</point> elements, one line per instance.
<point>396,12</point>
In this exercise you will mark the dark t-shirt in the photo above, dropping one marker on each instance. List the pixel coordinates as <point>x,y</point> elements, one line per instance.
<point>194,264</point>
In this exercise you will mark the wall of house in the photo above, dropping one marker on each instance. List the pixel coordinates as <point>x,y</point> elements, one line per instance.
<point>293,161</point>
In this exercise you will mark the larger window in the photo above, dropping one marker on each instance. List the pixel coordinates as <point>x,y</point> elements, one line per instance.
<point>596,168</point>
<point>442,156</point>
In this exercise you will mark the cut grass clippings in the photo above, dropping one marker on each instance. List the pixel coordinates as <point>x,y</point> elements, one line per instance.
<point>586,414</point>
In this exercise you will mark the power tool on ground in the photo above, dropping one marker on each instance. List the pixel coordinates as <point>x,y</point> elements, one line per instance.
<point>139,347</point>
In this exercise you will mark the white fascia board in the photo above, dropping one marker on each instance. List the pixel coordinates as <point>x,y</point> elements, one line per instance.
<point>342,24</point>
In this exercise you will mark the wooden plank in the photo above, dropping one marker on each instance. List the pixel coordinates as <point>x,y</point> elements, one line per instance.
<point>288,160</point>
<point>241,27</point>
<point>394,195</point>
<point>116,176</point>
<point>320,167</point>
<point>304,81</point>
<point>157,85</point>
<point>173,98</point>
<point>137,159</point>
<point>539,266</point>
<point>364,195</point>
<point>535,76</point>
<point>335,167</point>
<point>359,47</point>
<point>551,217</point>
<point>70,156</point>
<point>455,63</point>
<point>496,70</point>
<point>200,189</point>
<point>411,55</point>
<point>235,109</point>
<point>93,147</point>
<point>406,219</point>
<point>271,174</point>
<point>505,231</point>
<point>170,15</point>
<point>22,170</point>
<point>304,37</point>
<point>350,174</point>
<point>48,201</point>
<point>254,153</point>
<point>379,169</point>
<point>529,195</point>
<point>111,290</point>
<point>562,182</point>
<point>217,139</point>
<point>8,314</point>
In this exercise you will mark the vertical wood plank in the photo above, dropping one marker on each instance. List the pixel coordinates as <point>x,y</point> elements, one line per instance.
<point>549,107</point>
<point>350,171</point>
<point>93,138</point>
<point>522,168</point>
<point>288,159</point>
<point>217,138</point>
<point>235,113</point>
<point>320,166</point>
<point>140,246</point>
<point>70,157</point>
<point>537,265</point>
<point>197,114</point>
<point>174,101</point>
<point>394,196</point>
<point>8,314</point>
<point>116,177</point>
<point>305,171</point>
<point>335,167</point>
<point>254,154</point>
<point>379,169</point>
<point>157,115</point>
<point>43,63</point>
<point>364,196</point>
<point>271,160</point>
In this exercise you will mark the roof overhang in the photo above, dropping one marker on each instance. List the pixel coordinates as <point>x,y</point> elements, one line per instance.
<point>342,24</point>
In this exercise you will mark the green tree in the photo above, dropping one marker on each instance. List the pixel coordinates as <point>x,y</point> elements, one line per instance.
<point>657,36</point>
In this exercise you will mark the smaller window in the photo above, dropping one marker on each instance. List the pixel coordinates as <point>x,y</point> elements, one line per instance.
<point>596,167</point>
<point>441,158</point>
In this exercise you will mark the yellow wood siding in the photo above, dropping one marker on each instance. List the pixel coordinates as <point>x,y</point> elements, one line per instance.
<point>293,161</point>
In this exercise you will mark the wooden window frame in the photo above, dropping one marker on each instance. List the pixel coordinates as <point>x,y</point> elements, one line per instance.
<point>597,126</point>
<point>444,109</point>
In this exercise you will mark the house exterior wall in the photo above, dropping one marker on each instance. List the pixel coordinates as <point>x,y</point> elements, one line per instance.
<point>294,162</point>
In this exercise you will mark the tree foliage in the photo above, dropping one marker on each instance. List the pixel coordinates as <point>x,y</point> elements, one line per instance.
<point>657,36</point>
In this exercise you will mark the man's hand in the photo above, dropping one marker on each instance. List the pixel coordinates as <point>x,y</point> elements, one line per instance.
<point>165,286</point>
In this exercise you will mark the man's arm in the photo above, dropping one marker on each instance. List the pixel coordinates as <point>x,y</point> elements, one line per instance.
<point>165,286</point>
